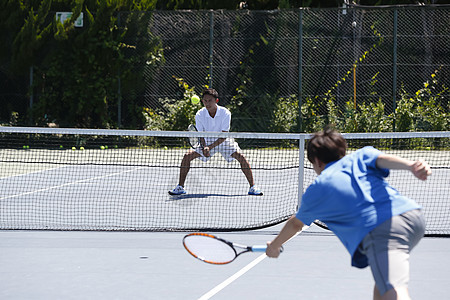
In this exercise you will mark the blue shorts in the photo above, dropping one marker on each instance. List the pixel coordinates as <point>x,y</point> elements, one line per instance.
<point>387,248</point>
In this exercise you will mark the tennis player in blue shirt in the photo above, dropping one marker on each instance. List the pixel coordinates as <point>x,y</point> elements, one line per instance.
<point>378,226</point>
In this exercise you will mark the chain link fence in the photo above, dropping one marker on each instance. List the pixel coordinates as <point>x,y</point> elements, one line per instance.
<point>282,70</point>
<point>255,58</point>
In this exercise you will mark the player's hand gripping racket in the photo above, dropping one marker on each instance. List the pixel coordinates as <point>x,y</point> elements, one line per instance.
<point>214,250</point>
<point>194,141</point>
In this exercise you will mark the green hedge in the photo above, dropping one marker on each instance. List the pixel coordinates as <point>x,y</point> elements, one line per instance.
<point>78,71</point>
<point>424,110</point>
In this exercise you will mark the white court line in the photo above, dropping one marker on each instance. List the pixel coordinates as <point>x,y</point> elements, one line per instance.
<point>70,183</point>
<point>241,272</point>
<point>34,172</point>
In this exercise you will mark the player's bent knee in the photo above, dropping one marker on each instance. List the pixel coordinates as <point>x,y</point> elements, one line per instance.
<point>238,156</point>
<point>191,155</point>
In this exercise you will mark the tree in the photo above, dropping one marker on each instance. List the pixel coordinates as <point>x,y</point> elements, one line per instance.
<point>78,71</point>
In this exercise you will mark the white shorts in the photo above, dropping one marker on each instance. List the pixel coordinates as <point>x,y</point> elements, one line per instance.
<point>228,147</point>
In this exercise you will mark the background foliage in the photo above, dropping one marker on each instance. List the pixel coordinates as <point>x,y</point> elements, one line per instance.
<point>426,110</point>
<point>81,74</point>
<point>76,70</point>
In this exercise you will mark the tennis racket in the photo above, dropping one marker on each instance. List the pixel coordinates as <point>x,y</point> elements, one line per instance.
<point>194,141</point>
<point>214,250</point>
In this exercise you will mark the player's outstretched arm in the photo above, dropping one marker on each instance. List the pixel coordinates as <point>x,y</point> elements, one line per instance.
<point>292,226</point>
<point>419,168</point>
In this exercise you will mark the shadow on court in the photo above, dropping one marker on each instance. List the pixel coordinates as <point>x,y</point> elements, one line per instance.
<point>201,196</point>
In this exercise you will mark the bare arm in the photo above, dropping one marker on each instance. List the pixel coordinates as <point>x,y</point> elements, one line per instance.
<point>207,149</point>
<point>419,168</point>
<point>216,143</point>
<point>292,226</point>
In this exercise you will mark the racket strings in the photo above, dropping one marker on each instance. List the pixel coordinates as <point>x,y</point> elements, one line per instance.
<point>209,249</point>
<point>194,141</point>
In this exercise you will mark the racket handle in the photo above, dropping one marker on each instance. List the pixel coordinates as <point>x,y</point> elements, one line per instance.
<point>259,248</point>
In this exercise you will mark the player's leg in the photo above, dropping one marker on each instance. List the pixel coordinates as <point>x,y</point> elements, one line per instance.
<point>186,165</point>
<point>387,248</point>
<point>245,167</point>
<point>247,170</point>
<point>400,293</point>
<point>230,151</point>
<point>184,170</point>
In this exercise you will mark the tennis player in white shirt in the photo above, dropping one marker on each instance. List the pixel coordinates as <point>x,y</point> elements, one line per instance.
<point>214,118</point>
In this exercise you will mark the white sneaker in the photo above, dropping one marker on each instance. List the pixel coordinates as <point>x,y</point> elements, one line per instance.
<point>255,191</point>
<point>178,190</point>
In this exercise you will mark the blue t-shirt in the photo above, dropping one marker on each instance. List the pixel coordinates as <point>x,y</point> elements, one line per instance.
<point>352,198</point>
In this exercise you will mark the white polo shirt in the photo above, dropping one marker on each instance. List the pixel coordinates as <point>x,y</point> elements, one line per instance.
<point>220,122</point>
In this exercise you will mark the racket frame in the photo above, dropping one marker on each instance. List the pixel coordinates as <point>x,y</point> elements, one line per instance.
<point>233,246</point>
<point>197,143</point>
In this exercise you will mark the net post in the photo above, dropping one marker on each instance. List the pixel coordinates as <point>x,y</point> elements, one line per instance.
<point>301,163</point>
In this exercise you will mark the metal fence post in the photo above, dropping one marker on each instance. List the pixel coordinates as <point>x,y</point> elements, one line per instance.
<point>31,87</point>
<point>31,93</point>
<point>211,44</point>
<point>394,66</point>
<point>119,88</point>
<point>300,62</point>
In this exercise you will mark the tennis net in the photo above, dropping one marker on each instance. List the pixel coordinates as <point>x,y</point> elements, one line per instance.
<point>92,179</point>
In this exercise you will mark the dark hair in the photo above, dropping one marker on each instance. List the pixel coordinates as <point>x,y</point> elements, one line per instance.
<point>211,92</point>
<point>327,145</point>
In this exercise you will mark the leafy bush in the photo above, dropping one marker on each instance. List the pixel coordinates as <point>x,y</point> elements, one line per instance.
<point>372,118</point>
<point>311,121</point>
<point>426,110</point>
<point>78,71</point>
<point>285,117</point>
<point>178,114</point>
